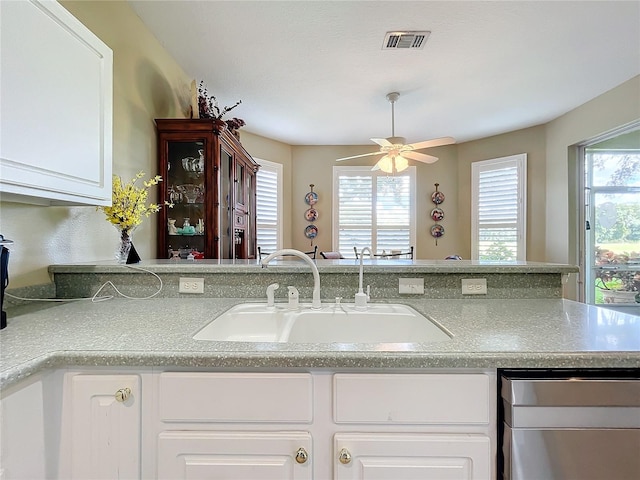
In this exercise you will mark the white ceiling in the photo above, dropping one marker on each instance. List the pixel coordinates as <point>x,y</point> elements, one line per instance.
<point>314,72</point>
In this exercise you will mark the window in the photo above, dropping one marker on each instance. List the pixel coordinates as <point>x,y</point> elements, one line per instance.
<point>268,205</point>
<point>373,209</point>
<point>498,206</point>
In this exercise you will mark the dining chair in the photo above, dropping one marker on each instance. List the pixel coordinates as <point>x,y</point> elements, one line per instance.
<point>311,253</point>
<point>393,254</point>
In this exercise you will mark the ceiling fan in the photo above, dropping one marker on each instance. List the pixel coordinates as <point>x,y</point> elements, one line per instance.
<point>396,152</point>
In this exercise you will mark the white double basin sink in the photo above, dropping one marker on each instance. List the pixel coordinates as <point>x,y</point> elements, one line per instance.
<point>332,323</point>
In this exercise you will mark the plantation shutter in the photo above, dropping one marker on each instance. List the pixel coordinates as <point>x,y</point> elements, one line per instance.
<point>267,208</point>
<point>373,209</point>
<point>355,212</point>
<point>393,213</point>
<point>498,210</point>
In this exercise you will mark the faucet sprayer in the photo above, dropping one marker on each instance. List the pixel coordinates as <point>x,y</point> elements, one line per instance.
<point>270,294</point>
<point>315,303</point>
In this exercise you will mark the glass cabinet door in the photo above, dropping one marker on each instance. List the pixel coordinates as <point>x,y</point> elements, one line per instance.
<point>226,205</point>
<point>186,228</point>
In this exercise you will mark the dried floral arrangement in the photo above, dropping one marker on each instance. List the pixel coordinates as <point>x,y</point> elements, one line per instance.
<point>208,104</point>
<point>235,123</point>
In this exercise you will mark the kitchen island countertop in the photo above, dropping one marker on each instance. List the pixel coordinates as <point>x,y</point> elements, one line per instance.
<point>487,333</point>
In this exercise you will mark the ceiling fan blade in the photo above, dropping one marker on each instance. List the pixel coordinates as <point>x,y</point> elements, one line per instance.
<point>420,157</point>
<point>436,142</point>
<point>383,142</point>
<point>358,156</point>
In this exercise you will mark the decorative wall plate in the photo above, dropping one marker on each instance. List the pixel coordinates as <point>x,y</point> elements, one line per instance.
<point>311,215</point>
<point>437,214</point>
<point>437,230</point>
<point>311,231</point>
<point>311,198</point>
<point>437,197</point>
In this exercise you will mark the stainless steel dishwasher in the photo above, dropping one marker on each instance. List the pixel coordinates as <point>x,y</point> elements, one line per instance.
<point>570,425</point>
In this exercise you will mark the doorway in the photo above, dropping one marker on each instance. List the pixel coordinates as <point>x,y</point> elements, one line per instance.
<point>610,236</point>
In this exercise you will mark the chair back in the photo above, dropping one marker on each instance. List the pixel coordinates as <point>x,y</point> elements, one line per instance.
<point>311,253</point>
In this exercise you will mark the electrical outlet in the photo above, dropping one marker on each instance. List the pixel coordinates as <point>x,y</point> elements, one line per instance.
<point>191,285</point>
<point>474,286</point>
<point>413,286</point>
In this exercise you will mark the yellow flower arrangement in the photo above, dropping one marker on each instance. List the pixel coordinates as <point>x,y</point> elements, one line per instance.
<point>129,202</point>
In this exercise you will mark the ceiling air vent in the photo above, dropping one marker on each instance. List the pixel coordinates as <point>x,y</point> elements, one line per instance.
<point>410,40</point>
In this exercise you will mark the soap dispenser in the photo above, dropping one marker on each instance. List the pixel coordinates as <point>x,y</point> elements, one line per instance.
<point>293,297</point>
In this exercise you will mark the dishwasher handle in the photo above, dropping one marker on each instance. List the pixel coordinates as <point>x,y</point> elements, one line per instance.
<point>571,392</point>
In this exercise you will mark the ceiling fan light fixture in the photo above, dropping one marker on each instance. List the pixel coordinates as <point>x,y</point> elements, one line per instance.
<point>390,164</point>
<point>401,163</point>
<point>396,151</point>
<point>386,164</point>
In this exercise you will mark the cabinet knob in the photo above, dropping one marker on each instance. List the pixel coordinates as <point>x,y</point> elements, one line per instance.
<point>123,394</point>
<point>344,457</point>
<point>301,455</point>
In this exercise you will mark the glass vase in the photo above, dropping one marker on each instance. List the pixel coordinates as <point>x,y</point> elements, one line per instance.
<point>125,243</point>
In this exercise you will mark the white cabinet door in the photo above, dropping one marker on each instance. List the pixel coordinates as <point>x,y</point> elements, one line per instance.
<point>397,456</point>
<point>56,87</point>
<point>235,455</point>
<point>105,431</point>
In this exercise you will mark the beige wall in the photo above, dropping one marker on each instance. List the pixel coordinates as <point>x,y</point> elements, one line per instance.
<point>147,84</point>
<point>277,152</point>
<point>607,112</point>
<point>314,164</point>
<point>604,113</point>
<point>530,141</point>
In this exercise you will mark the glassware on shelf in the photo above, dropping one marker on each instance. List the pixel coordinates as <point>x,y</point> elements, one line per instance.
<point>174,196</point>
<point>200,227</point>
<point>187,228</point>
<point>190,191</point>
<point>194,166</point>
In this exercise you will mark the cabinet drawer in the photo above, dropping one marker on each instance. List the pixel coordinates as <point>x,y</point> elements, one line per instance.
<point>412,398</point>
<point>234,455</point>
<point>235,397</point>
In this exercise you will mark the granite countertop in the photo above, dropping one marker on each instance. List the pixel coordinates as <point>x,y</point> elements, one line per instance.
<point>532,333</point>
<point>330,266</point>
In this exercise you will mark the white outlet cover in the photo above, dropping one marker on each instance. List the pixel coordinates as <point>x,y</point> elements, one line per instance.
<point>411,286</point>
<point>474,286</point>
<point>191,285</point>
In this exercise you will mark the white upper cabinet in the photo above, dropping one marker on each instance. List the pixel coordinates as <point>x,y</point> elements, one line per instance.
<point>56,107</point>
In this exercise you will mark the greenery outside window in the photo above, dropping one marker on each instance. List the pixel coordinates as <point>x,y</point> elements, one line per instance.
<point>612,214</point>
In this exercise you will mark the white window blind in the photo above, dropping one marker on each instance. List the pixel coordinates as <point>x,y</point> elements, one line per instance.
<point>268,205</point>
<point>498,208</point>
<point>373,209</point>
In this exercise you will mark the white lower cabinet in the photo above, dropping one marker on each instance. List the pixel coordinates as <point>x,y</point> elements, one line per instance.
<point>234,455</point>
<point>101,427</point>
<point>393,456</point>
<point>253,426</point>
<point>318,425</point>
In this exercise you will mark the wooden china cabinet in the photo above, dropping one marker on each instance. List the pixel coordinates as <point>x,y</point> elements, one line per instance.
<point>211,180</point>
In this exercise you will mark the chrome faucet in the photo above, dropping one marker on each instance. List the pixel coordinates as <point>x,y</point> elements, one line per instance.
<point>315,303</point>
<point>361,297</point>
